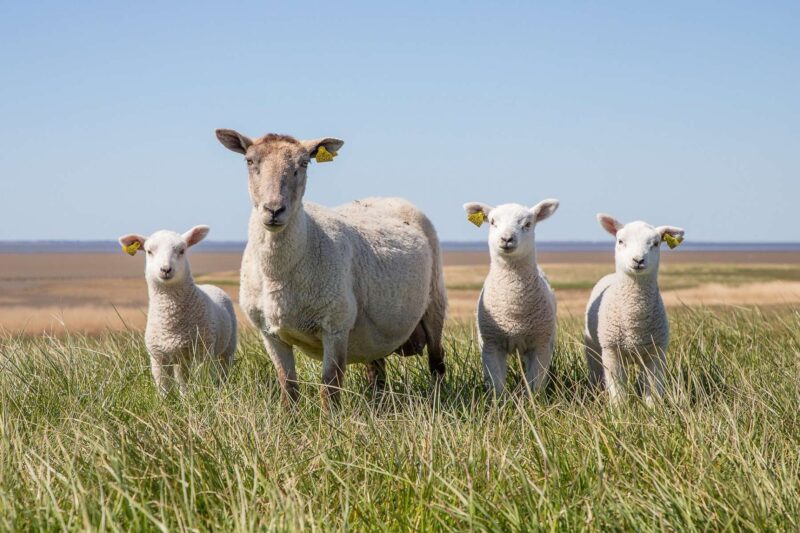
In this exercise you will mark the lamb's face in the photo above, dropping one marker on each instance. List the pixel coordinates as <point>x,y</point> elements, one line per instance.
<point>166,261</point>
<point>165,253</point>
<point>511,226</point>
<point>511,230</point>
<point>276,166</point>
<point>638,248</point>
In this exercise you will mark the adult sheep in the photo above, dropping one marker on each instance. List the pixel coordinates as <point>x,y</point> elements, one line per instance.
<point>346,285</point>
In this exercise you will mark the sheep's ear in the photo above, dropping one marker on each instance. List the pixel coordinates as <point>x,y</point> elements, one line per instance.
<point>233,140</point>
<point>195,235</point>
<point>609,223</point>
<point>671,231</point>
<point>132,243</point>
<point>544,209</point>
<point>671,235</point>
<point>477,212</point>
<point>330,146</point>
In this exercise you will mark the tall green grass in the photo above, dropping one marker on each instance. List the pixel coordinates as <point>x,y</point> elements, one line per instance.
<point>85,442</point>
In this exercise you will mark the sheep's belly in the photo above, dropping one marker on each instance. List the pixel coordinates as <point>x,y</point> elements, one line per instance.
<point>360,350</point>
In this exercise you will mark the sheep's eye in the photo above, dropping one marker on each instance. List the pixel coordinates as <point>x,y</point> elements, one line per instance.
<point>491,222</point>
<point>304,163</point>
<point>620,241</point>
<point>149,252</point>
<point>655,244</point>
<point>527,225</point>
<point>249,162</point>
<point>180,252</point>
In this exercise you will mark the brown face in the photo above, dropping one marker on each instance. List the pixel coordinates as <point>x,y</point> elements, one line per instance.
<point>277,175</point>
<point>276,166</point>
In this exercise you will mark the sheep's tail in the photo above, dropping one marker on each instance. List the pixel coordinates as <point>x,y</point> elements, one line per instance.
<point>434,317</point>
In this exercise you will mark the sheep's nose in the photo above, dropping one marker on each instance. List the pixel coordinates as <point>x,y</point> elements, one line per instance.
<point>507,240</point>
<point>274,212</point>
<point>638,262</point>
<point>166,269</point>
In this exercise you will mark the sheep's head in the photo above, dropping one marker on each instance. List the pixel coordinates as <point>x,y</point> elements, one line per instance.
<point>277,166</point>
<point>638,249</point>
<point>511,226</point>
<point>165,253</point>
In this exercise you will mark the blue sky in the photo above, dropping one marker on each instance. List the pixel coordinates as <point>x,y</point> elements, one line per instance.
<point>675,113</point>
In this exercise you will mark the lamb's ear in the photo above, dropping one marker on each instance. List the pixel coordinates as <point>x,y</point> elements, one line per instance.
<point>544,209</point>
<point>233,140</point>
<point>609,223</point>
<point>132,243</point>
<point>670,230</point>
<point>195,235</point>
<point>330,144</point>
<point>477,212</point>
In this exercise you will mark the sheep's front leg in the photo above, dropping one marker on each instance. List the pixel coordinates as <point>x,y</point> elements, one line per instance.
<point>334,359</point>
<point>162,375</point>
<point>495,366</point>
<point>653,382</point>
<point>614,374</point>
<point>283,359</point>
<point>181,370</point>
<point>537,363</point>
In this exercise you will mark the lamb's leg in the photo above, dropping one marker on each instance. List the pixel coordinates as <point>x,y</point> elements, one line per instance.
<point>537,363</point>
<point>162,375</point>
<point>594,360</point>
<point>614,374</point>
<point>181,370</point>
<point>653,378</point>
<point>376,374</point>
<point>494,368</point>
<point>334,359</point>
<point>283,360</point>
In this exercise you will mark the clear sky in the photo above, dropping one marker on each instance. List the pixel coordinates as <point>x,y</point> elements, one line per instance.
<point>675,113</point>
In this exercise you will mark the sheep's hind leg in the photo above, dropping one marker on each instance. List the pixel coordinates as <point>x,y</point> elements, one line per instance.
<point>283,359</point>
<point>376,374</point>
<point>334,359</point>
<point>495,367</point>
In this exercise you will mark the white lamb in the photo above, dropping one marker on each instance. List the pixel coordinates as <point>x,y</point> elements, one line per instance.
<point>626,323</point>
<point>517,307</point>
<point>185,322</point>
<point>346,285</point>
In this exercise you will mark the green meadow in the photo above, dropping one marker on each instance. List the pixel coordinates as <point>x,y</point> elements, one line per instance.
<point>87,444</point>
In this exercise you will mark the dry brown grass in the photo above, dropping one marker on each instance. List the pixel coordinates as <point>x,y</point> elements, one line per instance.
<point>93,293</point>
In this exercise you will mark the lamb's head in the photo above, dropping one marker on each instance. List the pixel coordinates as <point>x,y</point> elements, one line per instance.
<point>277,166</point>
<point>165,253</point>
<point>638,249</point>
<point>511,226</point>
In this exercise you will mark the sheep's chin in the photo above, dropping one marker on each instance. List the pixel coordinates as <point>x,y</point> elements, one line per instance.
<point>274,228</point>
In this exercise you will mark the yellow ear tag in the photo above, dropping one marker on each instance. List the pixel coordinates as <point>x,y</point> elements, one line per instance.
<point>132,248</point>
<point>323,156</point>
<point>671,241</point>
<point>477,218</point>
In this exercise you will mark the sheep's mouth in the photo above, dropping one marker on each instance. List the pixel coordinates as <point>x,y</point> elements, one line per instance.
<point>274,225</point>
<point>508,248</point>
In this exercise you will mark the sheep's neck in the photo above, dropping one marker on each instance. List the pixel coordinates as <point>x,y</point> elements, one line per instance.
<point>281,252</point>
<point>170,303</point>
<point>641,288</point>
<point>515,269</point>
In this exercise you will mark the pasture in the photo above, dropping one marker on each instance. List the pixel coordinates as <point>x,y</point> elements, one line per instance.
<point>86,443</point>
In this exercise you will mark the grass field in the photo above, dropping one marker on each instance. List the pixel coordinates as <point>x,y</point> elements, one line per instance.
<point>85,443</point>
